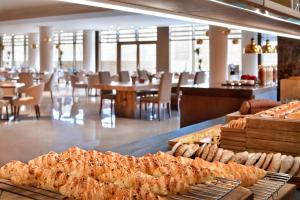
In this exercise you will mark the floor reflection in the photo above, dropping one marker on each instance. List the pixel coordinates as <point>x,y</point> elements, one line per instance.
<point>68,122</point>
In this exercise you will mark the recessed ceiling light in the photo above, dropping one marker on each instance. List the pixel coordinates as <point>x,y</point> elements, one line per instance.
<point>183,17</point>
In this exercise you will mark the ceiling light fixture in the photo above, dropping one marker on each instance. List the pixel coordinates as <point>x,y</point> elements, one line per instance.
<point>253,47</point>
<point>167,14</point>
<point>268,48</point>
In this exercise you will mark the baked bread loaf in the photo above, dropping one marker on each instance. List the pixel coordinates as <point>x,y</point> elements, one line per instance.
<point>218,155</point>
<point>240,157</point>
<point>226,156</point>
<point>191,150</point>
<point>181,149</point>
<point>261,160</point>
<point>200,150</point>
<point>275,163</point>
<point>205,151</point>
<point>267,161</point>
<point>253,159</point>
<point>295,168</point>
<point>174,148</point>
<point>212,152</point>
<point>286,164</point>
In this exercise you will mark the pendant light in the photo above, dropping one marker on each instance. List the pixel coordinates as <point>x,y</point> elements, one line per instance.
<point>268,48</point>
<point>253,47</point>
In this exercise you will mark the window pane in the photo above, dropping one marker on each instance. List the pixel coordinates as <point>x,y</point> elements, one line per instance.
<point>181,56</point>
<point>79,56</point>
<point>19,56</point>
<point>128,57</point>
<point>203,56</point>
<point>7,51</point>
<point>67,55</point>
<point>148,57</point>
<point>109,57</point>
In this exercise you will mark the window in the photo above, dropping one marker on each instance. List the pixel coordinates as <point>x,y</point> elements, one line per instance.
<point>79,50</point>
<point>129,57</point>
<point>187,54</point>
<point>108,51</point>
<point>148,57</point>
<point>234,49</point>
<point>67,49</point>
<point>19,51</point>
<point>147,34</point>
<point>127,35</point>
<point>7,51</point>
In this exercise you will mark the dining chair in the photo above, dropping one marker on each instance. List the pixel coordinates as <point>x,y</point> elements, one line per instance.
<point>183,80</point>
<point>81,76</point>
<point>33,98</point>
<point>105,78</point>
<point>163,97</point>
<point>3,103</point>
<point>49,85</point>
<point>199,78</point>
<point>93,80</point>
<point>124,76</point>
<point>75,83</point>
<point>27,79</point>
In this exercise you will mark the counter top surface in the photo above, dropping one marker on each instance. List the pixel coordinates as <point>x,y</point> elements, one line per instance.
<point>160,142</point>
<point>224,87</point>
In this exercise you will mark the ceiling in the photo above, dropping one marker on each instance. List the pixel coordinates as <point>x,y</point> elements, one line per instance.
<point>94,21</point>
<point>26,9</point>
<point>24,16</point>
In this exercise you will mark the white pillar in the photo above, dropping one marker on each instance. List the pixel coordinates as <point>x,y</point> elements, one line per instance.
<point>218,72</point>
<point>249,61</point>
<point>89,51</point>
<point>46,49</point>
<point>33,50</point>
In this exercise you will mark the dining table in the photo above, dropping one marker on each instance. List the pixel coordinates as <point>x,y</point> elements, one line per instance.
<point>10,88</point>
<point>126,95</point>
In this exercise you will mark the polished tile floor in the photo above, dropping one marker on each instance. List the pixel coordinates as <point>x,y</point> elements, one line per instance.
<point>67,122</point>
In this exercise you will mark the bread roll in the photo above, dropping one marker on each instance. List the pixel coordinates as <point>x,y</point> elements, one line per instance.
<point>275,163</point>
<point>181,149</point>
<point>212,152</point>
<point>240,157</point>
<point>191,150</point>
<point>261,160</point>
<point>205,152</point>
<point>218,155</point>
<point>295,167</point>
<point>227,155</point>
<point>200,150</point>
<point>267,161</point>
<point>286,164</point>
<point>174,148</point>
<point>253,159</point>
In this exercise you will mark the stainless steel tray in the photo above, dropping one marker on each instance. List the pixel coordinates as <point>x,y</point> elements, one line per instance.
<point>268,187</point>
<point>216,189</point>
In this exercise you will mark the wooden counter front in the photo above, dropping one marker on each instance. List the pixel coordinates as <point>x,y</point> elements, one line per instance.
<point>201,103</point>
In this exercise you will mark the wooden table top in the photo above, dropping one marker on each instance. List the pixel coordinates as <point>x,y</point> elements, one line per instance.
<point>129,86</point>
<point>11,85</point>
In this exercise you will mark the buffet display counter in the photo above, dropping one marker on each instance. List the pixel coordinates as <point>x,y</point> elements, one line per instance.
<point>200,103</point>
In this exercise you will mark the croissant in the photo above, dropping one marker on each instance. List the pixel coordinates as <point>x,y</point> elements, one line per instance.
<point>248,175</point>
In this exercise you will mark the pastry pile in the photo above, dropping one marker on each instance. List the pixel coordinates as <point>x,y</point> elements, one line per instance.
<point>81,174</point>
<point>219,160</point>
<point>287,111</point>
<point>274,162</point>
<point>237,123</point>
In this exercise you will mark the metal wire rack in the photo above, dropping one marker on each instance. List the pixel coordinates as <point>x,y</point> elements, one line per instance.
<point>268,187</point>
<point>215,189</point>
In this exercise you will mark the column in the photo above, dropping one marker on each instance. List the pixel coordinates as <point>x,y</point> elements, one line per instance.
<point>249,61</point>
<point>162,50</point>
<point>89,53</point>
<point>1,52</point>
<point>33,50</point>
<point>218,72</point>
<point>46,49</point>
